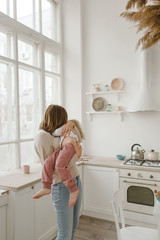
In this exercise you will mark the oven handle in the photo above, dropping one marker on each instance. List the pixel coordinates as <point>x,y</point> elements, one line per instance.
<point>149,184</point>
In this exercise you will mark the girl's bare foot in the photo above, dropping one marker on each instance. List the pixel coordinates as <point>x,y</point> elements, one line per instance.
<point>42,192</point>
<point>73,198</point>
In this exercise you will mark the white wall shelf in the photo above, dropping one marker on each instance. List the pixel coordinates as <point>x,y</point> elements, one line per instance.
<point>104,93</point>
<point>98,93</point>
<point>90,114</point>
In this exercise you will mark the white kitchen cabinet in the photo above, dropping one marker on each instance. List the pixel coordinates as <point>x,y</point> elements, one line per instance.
<point>45,217</point>
<point>31,219</point>
<point>23,218</point>
<point>3,216</point>
<point>100,183</point>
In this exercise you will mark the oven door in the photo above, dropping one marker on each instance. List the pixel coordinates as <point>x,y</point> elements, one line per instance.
<point>138,194</point>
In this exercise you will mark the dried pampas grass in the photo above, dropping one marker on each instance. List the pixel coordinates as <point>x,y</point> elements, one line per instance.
<point>135,3</point>
<point>147,18</point>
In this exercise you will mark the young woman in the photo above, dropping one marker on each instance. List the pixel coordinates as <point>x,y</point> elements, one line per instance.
<point>60,159</point>
<point>45,144</point>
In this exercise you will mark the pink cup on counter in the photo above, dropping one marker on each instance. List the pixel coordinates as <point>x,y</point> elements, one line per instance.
<point>26,169</point>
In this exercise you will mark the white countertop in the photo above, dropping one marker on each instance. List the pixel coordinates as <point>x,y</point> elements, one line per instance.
<point>19,180</point>
<point>114,163</point>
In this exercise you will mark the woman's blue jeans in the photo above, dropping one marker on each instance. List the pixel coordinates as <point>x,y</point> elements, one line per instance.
<point>67,217</point>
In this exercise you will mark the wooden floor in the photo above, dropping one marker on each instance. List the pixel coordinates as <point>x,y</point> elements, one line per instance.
<point>95,229</point>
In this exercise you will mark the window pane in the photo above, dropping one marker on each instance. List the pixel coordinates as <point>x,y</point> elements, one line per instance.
<point>49,19</point>
<point>6,45</point>
<point>7,103</point>
<point>27,153</point>
<point>52,90</point>
<point>51,62</point>
<point>25,12</point>
<point>25,53</point>
<point>29,103</point>
<point>3,7</point>
<point>36,16</point>
<point>10,5</point>
<point>7,7</point>
<point>7,159</point>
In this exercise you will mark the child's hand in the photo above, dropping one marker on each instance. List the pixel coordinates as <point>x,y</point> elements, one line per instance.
<point>68,127</point>
<point>78,148</point>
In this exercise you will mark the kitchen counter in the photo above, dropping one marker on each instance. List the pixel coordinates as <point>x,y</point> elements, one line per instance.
<point>18,180</point>
<point>114,163</point>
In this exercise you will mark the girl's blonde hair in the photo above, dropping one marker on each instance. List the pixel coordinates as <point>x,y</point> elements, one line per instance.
<point>55,116</point>
<point>78,126</point>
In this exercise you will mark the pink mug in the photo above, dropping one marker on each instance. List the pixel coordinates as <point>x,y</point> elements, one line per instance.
<point>26,169</point>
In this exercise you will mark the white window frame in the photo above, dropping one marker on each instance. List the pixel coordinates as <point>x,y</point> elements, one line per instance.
<point>43,43</point>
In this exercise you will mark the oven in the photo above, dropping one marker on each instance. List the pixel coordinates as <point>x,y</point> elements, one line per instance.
<point>138,187</point>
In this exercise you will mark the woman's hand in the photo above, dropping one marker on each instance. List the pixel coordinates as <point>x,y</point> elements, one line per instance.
<point>68,127</point>
<point>78,148</point>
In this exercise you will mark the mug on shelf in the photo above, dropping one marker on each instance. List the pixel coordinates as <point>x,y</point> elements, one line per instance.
<point>118,108</point>
<point>96,87</point>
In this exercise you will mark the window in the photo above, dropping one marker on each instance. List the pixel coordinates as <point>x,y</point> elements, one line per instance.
<point>30,74</point>
<point>40,15</point>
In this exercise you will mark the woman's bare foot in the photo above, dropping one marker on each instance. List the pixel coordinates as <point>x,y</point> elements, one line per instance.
<point>42,192</point>
<point>73,198</point>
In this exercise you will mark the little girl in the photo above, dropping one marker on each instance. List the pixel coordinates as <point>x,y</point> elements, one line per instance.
<point>60,159</point>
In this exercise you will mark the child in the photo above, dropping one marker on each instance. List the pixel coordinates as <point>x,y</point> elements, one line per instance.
<point>60,159</point>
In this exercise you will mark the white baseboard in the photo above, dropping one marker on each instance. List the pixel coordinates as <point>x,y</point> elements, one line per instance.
<point>52,233</point>
<point>98,215</point>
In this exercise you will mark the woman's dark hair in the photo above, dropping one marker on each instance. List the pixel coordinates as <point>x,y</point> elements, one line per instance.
<point>55,116</point>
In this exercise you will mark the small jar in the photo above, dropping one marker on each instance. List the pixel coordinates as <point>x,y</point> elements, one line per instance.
<point>96,87</point>
<point>118,108</point>
<point>109,108</point>
<point>106,88</point>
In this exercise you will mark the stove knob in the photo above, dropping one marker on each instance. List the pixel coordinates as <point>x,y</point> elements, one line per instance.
<point>129,174</point>
<point>151,176</point>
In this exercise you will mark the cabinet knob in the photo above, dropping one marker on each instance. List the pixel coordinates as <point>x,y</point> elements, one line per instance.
<point>32,187</point>
<point>129,174</point>
<point>151,176</point>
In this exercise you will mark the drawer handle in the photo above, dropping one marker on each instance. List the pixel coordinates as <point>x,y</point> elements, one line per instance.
<point>33,187</point>
<point>147,184</point>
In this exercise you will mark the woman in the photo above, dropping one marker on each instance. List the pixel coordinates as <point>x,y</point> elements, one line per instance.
<point>45,144</point>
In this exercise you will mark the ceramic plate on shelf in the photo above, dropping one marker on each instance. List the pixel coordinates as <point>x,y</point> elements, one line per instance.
<point>117,84</point>
<point>99,104</point>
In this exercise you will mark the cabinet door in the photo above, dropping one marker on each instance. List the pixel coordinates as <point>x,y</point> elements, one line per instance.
<point>24,214</point>
<point>45,217</point>
<point>100,183</point>
<point>3,217</point>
